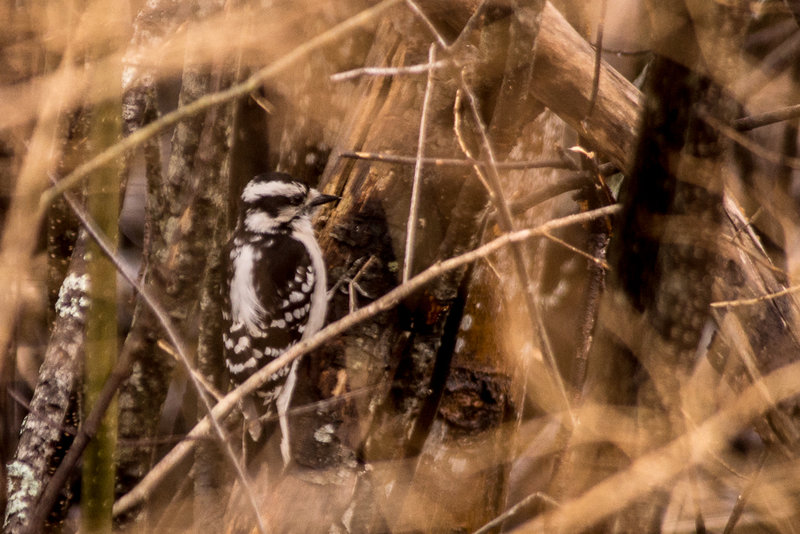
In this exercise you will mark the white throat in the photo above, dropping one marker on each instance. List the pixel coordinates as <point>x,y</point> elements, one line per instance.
<point>259,222</point>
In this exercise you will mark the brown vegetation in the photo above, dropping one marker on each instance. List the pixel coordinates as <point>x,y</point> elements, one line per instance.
<point>561,300</point>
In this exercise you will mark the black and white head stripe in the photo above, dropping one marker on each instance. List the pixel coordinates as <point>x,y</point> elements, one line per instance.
<point>274,200</point>
<point>274,185</point>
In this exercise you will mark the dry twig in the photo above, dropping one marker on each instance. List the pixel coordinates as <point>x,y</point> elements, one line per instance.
<point>598,58</point>
<point>388,71</point>
<point>213,99</point>
<point>770,117</point>
<point>92,421</point>
<point>461,162</point>
<point>657,468</point>
<point>388,301</point>
<point>411,225</point>
<point>491,180</point>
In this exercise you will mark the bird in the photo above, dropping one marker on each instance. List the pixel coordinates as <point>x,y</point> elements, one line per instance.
<point>274,292</point>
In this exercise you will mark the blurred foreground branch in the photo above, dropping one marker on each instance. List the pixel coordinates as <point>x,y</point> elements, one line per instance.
<point>224,407</point>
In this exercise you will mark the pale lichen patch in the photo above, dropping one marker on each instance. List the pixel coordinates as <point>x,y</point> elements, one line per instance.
<point>324,434</point>
<point>72,300</point>
<point>23,487</point>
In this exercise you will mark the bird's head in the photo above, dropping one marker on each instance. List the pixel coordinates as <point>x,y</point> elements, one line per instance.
<point>274,200</point>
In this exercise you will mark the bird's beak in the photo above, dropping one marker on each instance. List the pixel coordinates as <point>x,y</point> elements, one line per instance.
<point>322,199</point>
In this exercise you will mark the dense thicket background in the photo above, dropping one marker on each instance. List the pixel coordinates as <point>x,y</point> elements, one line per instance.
<point>562,270</point>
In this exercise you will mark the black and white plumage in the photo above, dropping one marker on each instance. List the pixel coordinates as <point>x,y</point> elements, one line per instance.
<point>274,290</point>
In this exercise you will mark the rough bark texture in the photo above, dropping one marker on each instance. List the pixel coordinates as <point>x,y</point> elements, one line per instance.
<point>395,357</point>
<point>57,399</point>
<point>209,477</point>
<point>184,211</point>
<point>417,402</point>
<point>665,271</point>
<point>670,263</point>
<point>418,413</point>
<point>47,431</point>
<point>563,55</point>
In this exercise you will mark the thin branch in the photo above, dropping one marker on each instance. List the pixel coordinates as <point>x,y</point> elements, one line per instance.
<point>476,19</point>
<point>514,510</point>
<point>170,439</point>
<point>263,103</point>
<point>743,225</point>
<point>235,91</point>
<point>388,71</point>
<point>770,66</point>
<point>119,373</point>
<point>770,117</point>
<point>657,468</point>
<point>758,150</point>
<point>312,407</point>
<point>620,52</point>
<point>458,129</point>
<point>492,182</point>
<point>386,302</point>
<point>100,352</point>
<point>461,162</point>
<point>755,300</point>
<point>208,386</point>
<point>744,496</point>
<point>183,352</point>
<point>597,261</point>
<point>411,225</point>
<point>598,59</point>
<point>570,182</point>
<point>352,271</point>
<point>424,18</point>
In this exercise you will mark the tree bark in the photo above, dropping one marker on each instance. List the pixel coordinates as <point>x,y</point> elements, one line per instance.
<point>405,401</point>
